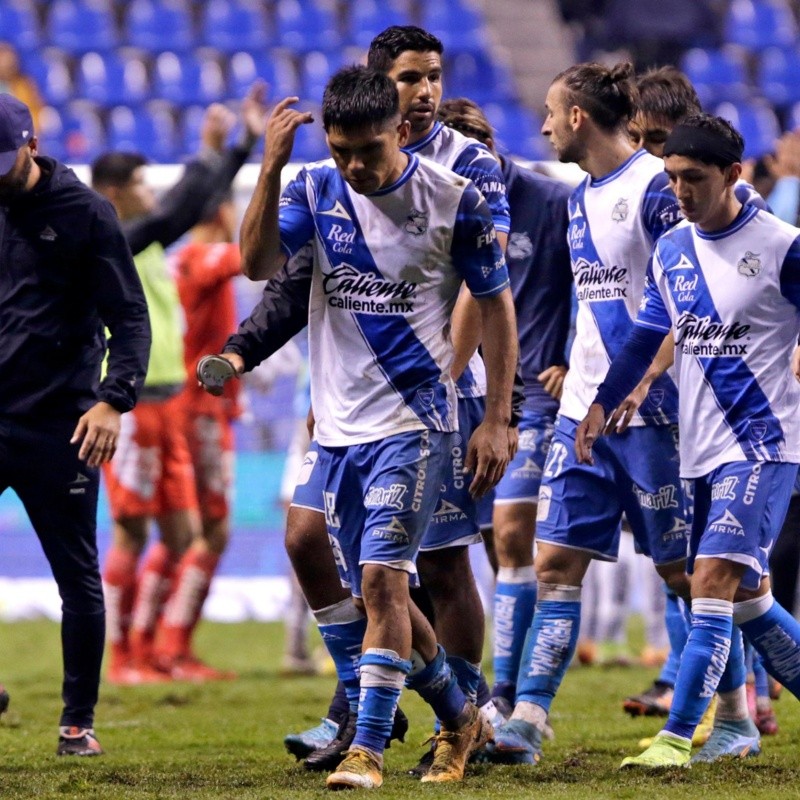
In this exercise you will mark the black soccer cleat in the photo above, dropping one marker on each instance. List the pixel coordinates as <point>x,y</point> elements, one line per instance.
<point>75,741</point>
<point>4,699</point>
<point>653,702</point>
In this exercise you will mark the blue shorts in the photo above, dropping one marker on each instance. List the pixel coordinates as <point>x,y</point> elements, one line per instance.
<point>580,506</point>
<point>736,512</point>
<point>458,518</point>
<point>521,482</point>
<point>379,498</point>
<point>310,483</point>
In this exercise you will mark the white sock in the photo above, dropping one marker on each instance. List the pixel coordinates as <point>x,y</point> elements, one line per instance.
<point>530,713</point>
<point>733,705</point>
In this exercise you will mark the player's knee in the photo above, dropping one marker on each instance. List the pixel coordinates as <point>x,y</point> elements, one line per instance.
<point>305,536</point>
<point>383,588</point>
<point>676,580</point>
<point>216,534</point>
<point>444,572</point>
<point>81,593</point>
<point>560,566</point>
<point>130,533</point>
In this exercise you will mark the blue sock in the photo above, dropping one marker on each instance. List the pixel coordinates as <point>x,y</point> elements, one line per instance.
<point>468,676</point>
<point>436,684</point>
<point>514,603</point>
<point>775,634</point>
<point>382,675</point>
<point>484,694</point>
<point>735,673</point>
<point>550,644</point>
<point>677,632</point>
<point>702,664</point>
<point>342,627</point>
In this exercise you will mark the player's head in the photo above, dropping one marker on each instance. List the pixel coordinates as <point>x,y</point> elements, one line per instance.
<point>666,97</point>
<point>412,57</point>
<point>587,101</point>
<point>120,177</point>
<point>703,159</point>
<point>363,127</point>
<point>18,146</point>
<point>467,117</point>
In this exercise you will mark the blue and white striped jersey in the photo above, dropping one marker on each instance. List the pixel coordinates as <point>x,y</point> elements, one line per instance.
<point>732,298</point>
<point>387,270</point>
<point>613,223</point>
<point>470,159</point>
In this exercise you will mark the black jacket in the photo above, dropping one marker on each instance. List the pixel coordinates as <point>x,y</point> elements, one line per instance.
<point>66,271</point>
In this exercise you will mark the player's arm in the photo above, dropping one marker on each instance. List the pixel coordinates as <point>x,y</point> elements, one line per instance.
<point>790,289</point>
<point>122,307</point>
<point>263,252</point>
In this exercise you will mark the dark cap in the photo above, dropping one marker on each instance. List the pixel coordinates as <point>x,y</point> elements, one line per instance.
<point>16,130</point>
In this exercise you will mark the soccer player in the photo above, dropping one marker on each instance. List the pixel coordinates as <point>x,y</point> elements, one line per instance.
<point>66,272</point>
<point>727,283</point>
<point>541,278</point>
<point>152,476</point>
<point>615,215</point>
<point>394,236</point>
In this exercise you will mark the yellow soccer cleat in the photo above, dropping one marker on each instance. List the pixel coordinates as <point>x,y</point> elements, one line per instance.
<point>360,769</point>
<point>665,751</point>
<point>454,747</point>
<point>701,732</point>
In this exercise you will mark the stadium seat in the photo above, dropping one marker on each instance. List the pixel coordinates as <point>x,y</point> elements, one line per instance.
<point>84,135</point>
<point>188,79</point>
<point>110,79</point>
<point>50,69</point>
<point>51,133</point>
<point>159,25</point>
<point>758,24</point>
<point>191,124</point>
<point>79,26</point>
<point>150,130</point>
<point>304,26</point>
<point>757,123</point>
<point>366,18</point>
<point>458,24</point>
<point>276,69</point>
<point>478,76</point>
<point>315,71</point>
<point>19,24</point>
<point>517,131</point>
<point>230,26</point>
<point>717,75</point>
<point>779,76</point>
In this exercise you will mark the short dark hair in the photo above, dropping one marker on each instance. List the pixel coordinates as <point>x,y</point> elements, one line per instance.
<point>607,94</point>
<point>116,168</point>
<point>721,128</point>
<point>387,45</point>
<point>467,117</point>
<point>357,97</point>
<point>667,93</point>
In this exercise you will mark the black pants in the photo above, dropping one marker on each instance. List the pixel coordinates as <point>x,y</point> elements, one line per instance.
<point>784,560</point>
<point>59,493</point>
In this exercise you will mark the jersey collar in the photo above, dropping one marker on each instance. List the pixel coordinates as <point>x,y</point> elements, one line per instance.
<point>744,216</point>
<point>411,168</point>
<point>620,169</point>
<point>425,140</point>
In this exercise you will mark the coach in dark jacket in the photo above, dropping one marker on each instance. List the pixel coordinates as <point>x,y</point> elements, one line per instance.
<point>66,272</point>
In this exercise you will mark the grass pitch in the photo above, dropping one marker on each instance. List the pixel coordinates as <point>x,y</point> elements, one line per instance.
<point>224,740</point>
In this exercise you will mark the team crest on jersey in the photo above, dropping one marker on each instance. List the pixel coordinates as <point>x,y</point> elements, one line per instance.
<point>519,245</point>
<point>416,222</point>
<point>656,397</point>
<point>620,210</point>
<point>750,265</point>
<point>758,430</point>
<point>425,396</point>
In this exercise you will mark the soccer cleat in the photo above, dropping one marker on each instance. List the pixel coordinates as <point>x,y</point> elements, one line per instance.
<point>653,702</point>
<point>329,757</point>
<point>4,700</point>
<point>665,751</point>
<point>136,676</point>
<point>767,722</point>
<point>454,747</point>
<point>701,732</point>
<point>360,769</point>
<point>303,744</point>
<point>517,742</point>
<point>422,767</point>
<point>75,741</point>
<point>730,739</point>
<point>193,670</point>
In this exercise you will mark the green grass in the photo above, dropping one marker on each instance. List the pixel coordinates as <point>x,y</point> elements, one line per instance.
<point>225,740</point>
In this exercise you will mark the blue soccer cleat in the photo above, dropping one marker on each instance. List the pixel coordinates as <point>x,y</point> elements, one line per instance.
<point>303,744</point>
<point>516,742</point>
<point>730,739</point>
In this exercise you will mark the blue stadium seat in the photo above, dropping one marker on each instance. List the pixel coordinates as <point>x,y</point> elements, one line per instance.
<point>478,76</point>
<point>303,25</point>
<point>367,18</point>
<point>79,26</point>
<point>779,76</point>
<point>19,24</point>
<point>757,123</point>
<point>149,130</point>
<point>159,25</point>
<point>717,75</point>
<point>84,135</point>
<point>276,69</point>
<point>50,69</point>
<point>51,133</point>
<point>458,24</point>
<point>110,79</point>
<point>191,124</point>
<point>309,141</point>
<point>230,26</point>
<point>186,79</point>
<point>315,70</point>
<point>517,131</point>
<point>758,24</point>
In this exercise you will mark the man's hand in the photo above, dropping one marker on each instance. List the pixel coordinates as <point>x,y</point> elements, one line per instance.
<point>253,111</point>
<point>99,429</point>
<point>622,415</point>
<point>281,127</point>
<point>217,124</point>
<point>786,161</point>
<point>553,380</point>
<point>487,457</point>
<point>513,443</point>
<point>588,433</point>
<point>215,383</point>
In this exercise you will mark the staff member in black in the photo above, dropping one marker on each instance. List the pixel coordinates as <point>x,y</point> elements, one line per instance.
<point>66,271</point>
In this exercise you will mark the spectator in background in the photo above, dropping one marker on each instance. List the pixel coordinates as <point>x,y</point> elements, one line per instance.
<point>15,82</point>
